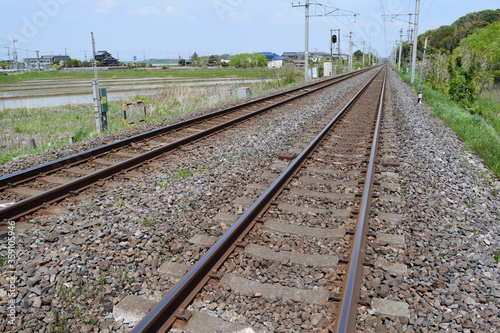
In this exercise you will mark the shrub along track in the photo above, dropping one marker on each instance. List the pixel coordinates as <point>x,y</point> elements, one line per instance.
<point>26,191</point>
<point>292,263</point>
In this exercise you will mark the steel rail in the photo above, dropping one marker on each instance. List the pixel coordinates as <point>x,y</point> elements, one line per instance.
<point>52,166</point>
<point>162,316</point>
<point>350,297</point>
<point>31,204</point>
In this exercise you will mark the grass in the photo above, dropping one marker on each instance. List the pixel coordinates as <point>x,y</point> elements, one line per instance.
<point>182,173</point>
<point>53,126</point>
<point>189,73</point>
<point>148,221</point>
<point>472,128</point>
<point>488,106</point>
<point>163,183</point>
<point>120,203</point>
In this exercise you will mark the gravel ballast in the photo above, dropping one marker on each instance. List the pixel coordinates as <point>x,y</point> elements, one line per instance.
<point>73,268</point>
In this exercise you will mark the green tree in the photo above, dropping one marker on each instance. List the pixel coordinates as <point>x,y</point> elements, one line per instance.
<point>463,88</point>
<point>74,63</point>
<point>358,55</point>
<point>248,60</point>
<point>486,41</point>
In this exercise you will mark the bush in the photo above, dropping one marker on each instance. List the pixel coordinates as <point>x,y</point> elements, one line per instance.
<point>463,86</point>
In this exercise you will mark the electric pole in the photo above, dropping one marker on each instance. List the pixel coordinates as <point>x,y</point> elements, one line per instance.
<point>363,54</point>
<point>306,51</point>
<point>327,12</point>
<point>15,54</point>
<point>38,60</point>
<point>338,49</point>
<point>350,53</point>
<point>97,97</point>
<point>419,99</point>
<point>415,40</point>
<point>400,48</point>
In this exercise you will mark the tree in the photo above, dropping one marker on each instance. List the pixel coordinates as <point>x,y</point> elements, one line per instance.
<point>74,63</point>
<point>248,60</point>
<point>486,41</point>
<point>358,55</point>
<point>213,59</point>
<point>463,88</point>
<point>195,57</point>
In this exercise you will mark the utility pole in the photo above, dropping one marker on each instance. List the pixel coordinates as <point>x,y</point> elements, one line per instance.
<point>328,12</point>
<point>415,40</point>
<point>350,53</point>
<point>419,99</point>
<point>38,60</point>
<point>364,54</point>
<point>331,45</point>
<point>15,54</point>
<point>306,52</point>
<point>400,48</point>
<point>338,49</point>
<point>97,97</point>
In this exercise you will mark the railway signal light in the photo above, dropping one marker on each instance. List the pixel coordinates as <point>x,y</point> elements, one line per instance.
<point>334,39</point>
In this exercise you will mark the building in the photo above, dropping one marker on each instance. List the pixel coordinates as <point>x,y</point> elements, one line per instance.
<point>274,60</point>
<point>106,59</point>
<point>295,56</point>
<point>44,62</point>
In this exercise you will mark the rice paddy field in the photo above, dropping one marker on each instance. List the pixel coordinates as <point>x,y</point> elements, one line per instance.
<point>55,108</point>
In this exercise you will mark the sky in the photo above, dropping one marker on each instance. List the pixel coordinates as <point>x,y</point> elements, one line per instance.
<point>172,28</point>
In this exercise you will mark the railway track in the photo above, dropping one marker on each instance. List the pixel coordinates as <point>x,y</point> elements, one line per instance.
<point>300,245</point>
<point>26,191</point>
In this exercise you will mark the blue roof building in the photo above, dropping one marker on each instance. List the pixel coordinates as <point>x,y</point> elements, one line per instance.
<point>273,60</point>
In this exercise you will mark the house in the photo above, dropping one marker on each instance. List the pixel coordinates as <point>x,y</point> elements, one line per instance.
<point>293,55</point>
<point>45,62</point>
<point>274,60</point>
<point>106,59</point>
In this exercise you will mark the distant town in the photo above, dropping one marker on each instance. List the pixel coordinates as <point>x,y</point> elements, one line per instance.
<point>106,59</point>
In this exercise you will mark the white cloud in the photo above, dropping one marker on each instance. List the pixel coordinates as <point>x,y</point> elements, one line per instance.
<point>105,6</point>
<point>235,16</point>
<point>148,10</point>
<point>172,11</point>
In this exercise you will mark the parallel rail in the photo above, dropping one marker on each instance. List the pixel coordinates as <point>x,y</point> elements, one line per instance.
<point>31,204</point>
<point>162,317</point>
<point>350,296</point>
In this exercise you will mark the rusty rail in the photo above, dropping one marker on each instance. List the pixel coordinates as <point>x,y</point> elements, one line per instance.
<point>33,172</point>
<point>163,315</point>
<point>31,204</point>
<point>346,322</point>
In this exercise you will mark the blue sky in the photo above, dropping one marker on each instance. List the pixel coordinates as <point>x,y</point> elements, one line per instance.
<point>172,28</point>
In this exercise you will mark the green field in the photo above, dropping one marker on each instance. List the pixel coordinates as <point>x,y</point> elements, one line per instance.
<point>53,126</point>
<point>141,73</point>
